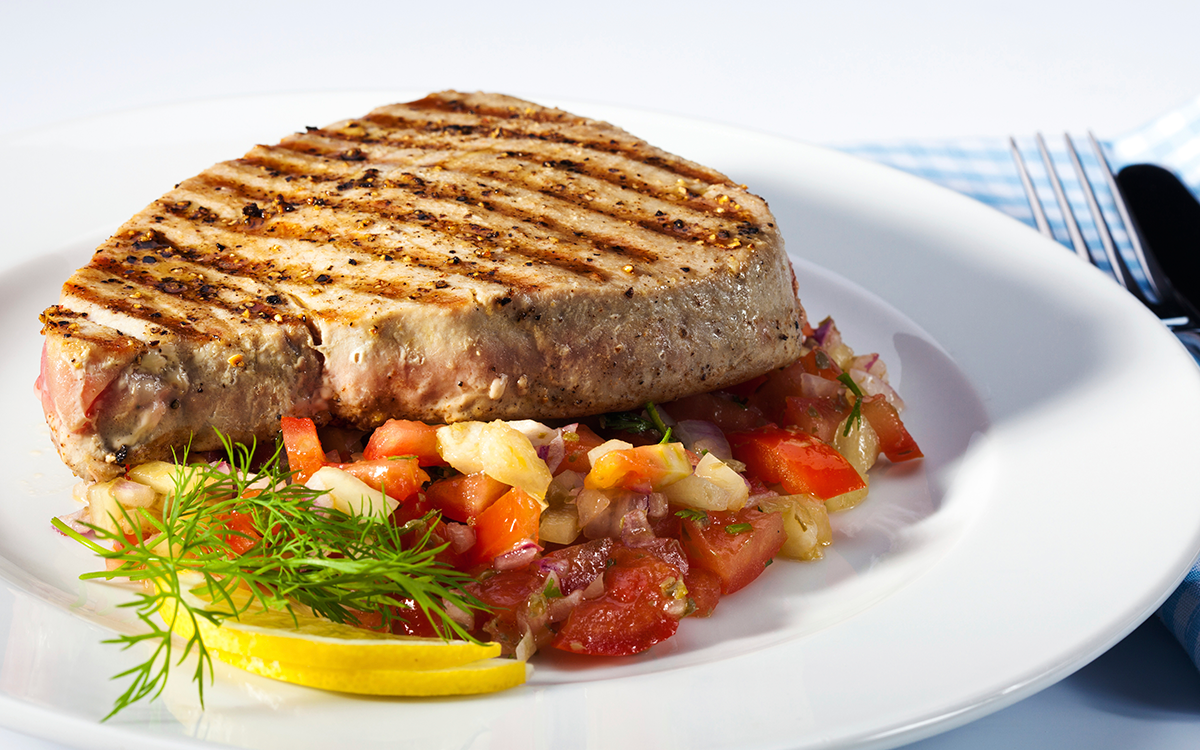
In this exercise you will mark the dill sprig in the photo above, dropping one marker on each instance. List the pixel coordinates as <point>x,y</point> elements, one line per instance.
<point>855,417</point>
<point>296,556</point>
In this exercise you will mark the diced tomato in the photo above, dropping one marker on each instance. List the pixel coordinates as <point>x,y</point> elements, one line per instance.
<point>410,620</point>
<point>304,452</point>
<point>645,468</point>
<point>399,477</point>
<point>365,620</point>
<point>819,417</point>
<point>777,385</point>
<point>505,594</point>
<point>413,508</point>
<point>506,524</point>
<point>401,437</point>
<point>737,547</point>
<point>577,444</point>
<point>640,607</point>
<point>719,409</point>
<point>463,497</point>
<point>800,462</point>
<point>704,589</point>
<point>242,535</point>
<point>894,440</point>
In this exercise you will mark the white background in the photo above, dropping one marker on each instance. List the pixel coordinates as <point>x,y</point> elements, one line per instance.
<point>823,72</point>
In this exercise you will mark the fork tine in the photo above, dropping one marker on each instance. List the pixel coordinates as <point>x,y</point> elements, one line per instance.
<point>1035,203</point>
<point>1081,248</point>
<point>1120,271</point>
<point>1135,237</point>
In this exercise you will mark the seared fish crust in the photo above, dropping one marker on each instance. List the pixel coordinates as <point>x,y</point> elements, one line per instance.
<point>464,256</point>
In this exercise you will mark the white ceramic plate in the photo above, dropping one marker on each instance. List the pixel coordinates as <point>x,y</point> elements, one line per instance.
<point>1054,511</point>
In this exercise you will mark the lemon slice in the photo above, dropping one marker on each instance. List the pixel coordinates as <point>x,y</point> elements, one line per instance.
<point>315,642</point>
<point>312,651</point>
<point>483,676</point>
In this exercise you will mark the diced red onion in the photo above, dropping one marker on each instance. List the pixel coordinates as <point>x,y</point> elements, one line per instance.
<point>872,385</point>
<point>133,495</point>
<point>869,363</point>
<point>635,529</point>
<point>823,330</point>
<point>590,503</point>
<point>564,487</point>
<point>517,558</point>
<point>261,483</point>
<point>594,589</point>
<point>700,436</point>
<point>461,616</point>
<point>577,565</point>
<point>657,505</point>
<point>74,521</point>
<point>462,536</point>
<point>560,607</point>
<point>814,386</point>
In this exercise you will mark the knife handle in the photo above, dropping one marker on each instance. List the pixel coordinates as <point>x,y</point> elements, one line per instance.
<point>1168,216</point>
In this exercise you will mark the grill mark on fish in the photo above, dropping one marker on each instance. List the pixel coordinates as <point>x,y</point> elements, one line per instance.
<point>490,123</point>
<point>687,225</point>
<point>131,308</point>
<point>472,233</point>
<point>384,210</point>
<point>229,191</point>
<point>189,277</point>
<point>428,290</point>
<point>620,174</point>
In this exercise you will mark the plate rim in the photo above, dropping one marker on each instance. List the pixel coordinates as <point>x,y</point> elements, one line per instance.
<point>920,727</point>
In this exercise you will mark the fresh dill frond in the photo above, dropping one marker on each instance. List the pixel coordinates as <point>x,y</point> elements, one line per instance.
<point>693,514</point>
<point>295,555</point>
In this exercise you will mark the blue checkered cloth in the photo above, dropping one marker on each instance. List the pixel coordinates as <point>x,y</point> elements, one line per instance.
<point>984,169</point>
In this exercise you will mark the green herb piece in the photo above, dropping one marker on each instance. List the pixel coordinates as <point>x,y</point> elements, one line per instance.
<point>738,528</point>
<point>303,556</point>
<point>659,425</point>
<point>626,421</point>
<point>551,591</point>
<point>692,514</point>
<point>856,410</point>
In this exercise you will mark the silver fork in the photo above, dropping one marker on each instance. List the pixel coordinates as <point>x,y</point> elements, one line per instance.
<point>1158,295</point>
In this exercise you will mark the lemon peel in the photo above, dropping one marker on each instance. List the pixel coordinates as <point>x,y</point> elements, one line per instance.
<point>483,676</point>
<point>315,652</point>
<point>317,642</point>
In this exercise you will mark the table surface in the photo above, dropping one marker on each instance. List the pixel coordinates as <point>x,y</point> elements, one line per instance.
<point>825,73</point>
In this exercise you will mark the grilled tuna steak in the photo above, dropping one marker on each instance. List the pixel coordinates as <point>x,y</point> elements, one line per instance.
<point>464,256</point>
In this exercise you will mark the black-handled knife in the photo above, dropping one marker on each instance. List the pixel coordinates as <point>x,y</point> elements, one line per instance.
<point>1168,217</point>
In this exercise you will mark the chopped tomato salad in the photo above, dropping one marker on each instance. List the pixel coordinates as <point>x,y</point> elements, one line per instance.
<point>599,537</point>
